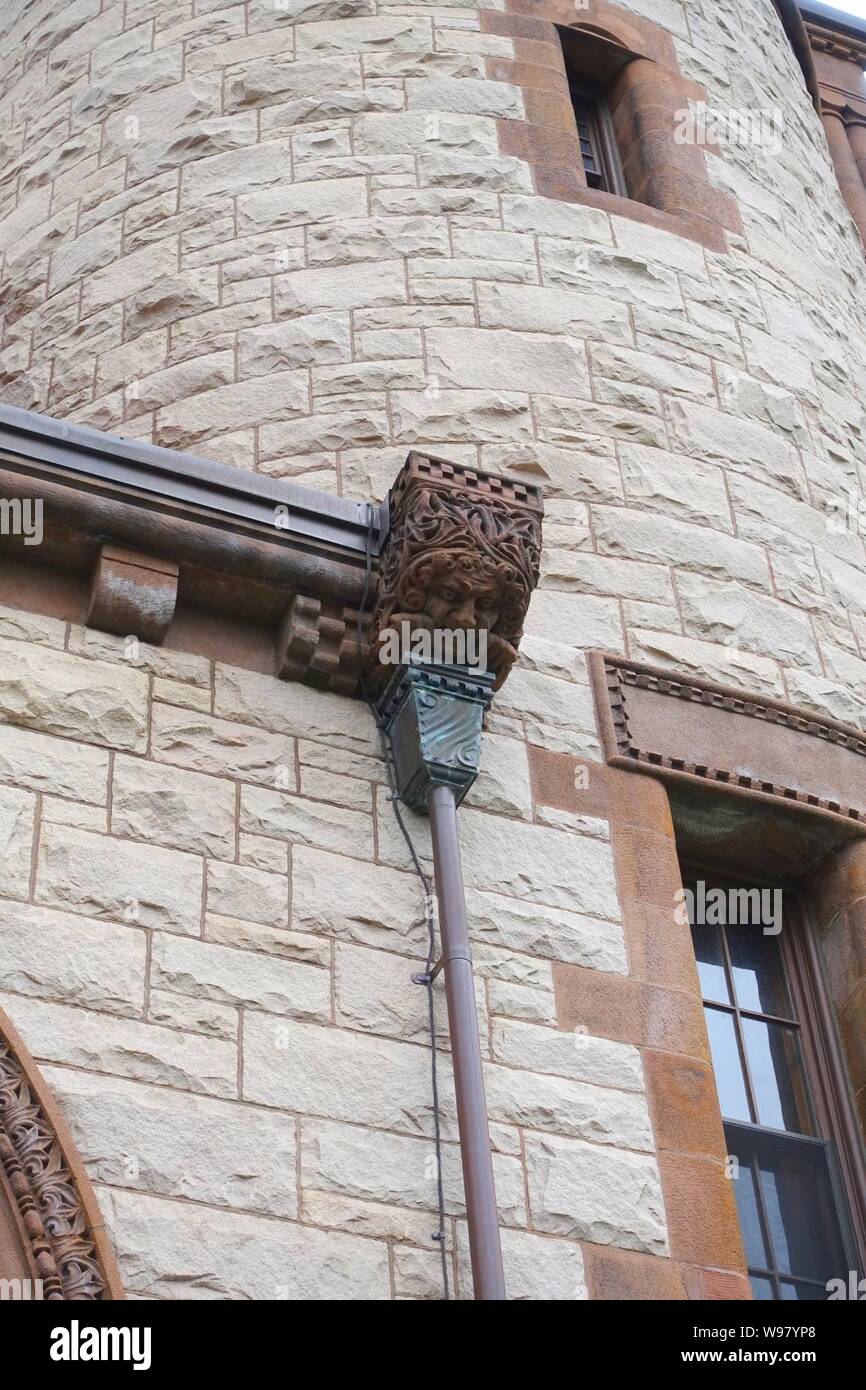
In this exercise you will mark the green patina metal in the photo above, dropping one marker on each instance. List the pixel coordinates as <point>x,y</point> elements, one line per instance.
<point>433,716</point>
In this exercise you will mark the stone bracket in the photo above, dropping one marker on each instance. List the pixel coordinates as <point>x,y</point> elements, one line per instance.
<point>318,643</point>
<point>133,594</point>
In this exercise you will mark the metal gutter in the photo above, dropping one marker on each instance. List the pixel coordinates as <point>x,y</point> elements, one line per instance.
<point>127,470</point>
<point>832,18</point>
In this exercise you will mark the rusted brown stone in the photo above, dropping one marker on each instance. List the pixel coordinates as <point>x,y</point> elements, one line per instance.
<point>462,554</point>
<point>133,594</point>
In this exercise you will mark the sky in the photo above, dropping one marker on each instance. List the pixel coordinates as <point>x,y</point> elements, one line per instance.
<point>857,7</point>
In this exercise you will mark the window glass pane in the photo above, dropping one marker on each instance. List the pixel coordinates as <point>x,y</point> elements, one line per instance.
<point>711,971</point>
<point>778,1081</point>
<point>747,1208</point>
<point>803,1293</point>
<point>762,1288</point>
<point>726,1065</point>
<point>759,981</point>
<point>801,1209</point>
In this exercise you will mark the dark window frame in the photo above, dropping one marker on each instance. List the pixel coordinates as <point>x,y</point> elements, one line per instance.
<point>829,1089</point>
<point>591,110</point>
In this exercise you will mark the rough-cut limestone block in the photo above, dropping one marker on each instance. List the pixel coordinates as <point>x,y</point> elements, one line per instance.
<point>356,1162</point>
<point>57,811</point>
<point>537,309</point>
<point>743,445</point>
<point>552,934</point>
<point>374,991</point>
<point>575,620</point>
<point>124,880</point>
<point>596,1113</point>
<point>273,941</point>
<point>644,536</point>
<point>416,131</point>
<point>466,95</point>
<point>418,1273</point>
<point>629,279</point>
<point>177,1250</point>
<point>121,278</point>
<point>730,664</point>
<point>376,239</point>
<point>367,1218</point>
<point>294,205</point>
<point>510,1000</point>
<point>17,825</point>
<point>35,628</point>
<point>255,895</point>
<point>290,708</point>
<point>55,955</point>
<point>578,571</point>
<point>62,694</point>
<point>355,901</point>
<point>302,342</point>
<point>103,646</point>
<point>276,79</point>
<point>552,218</point>
<point>265,811</point>
<point>589,473</point>
<point>171,806</point>
<point>453,416</point>
<point>503,782</point>
<point>574,1054</point>
<point>321,434</point>
<point>228,976</point>
<point>392,33</point>
<point>192,1015</point>
<point>680,487</point>
<point>342,1075</point>
<point>153,1140</point>
<point>339,288</point>
<point>173,299</point>
<point>494,964</point>
<point>536,1267</point>
<point>222,747</point>
<point>731,614</point>
<point>98,1042</point>
<point>599,1194</point>
<point>331,786</point>
<point>229,407</point>
<point>498,359</point>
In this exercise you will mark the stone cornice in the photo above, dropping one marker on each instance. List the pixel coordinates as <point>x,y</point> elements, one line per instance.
<point>148,529</point>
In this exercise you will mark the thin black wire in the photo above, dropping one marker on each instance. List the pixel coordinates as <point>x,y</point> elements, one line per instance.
<point>439,1235</point>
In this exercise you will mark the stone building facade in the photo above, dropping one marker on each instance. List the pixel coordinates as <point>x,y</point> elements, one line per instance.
<point>300,239</point>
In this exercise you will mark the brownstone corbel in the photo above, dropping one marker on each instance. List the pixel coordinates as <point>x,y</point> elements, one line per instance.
<point>132,594</point>
<point>462,554</point>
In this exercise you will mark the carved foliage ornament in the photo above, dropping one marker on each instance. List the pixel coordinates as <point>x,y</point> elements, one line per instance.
<point>55,1207</point>
<point>462,554</point>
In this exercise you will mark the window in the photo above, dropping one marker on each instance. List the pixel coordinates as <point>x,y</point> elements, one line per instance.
<point>598,149</point>
<point>769,1057</point>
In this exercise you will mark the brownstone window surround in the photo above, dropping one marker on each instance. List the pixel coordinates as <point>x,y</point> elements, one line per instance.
<point>634,61</point>
<point>811,837</point>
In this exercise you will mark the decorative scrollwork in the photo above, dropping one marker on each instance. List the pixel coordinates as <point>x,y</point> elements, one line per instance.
<point>52,1213</point>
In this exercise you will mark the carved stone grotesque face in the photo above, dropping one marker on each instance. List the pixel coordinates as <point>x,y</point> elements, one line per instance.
<point>459,559</point>
<point>454,597</point>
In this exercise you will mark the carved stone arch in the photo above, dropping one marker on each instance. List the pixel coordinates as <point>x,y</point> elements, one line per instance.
<point>50,1226</point>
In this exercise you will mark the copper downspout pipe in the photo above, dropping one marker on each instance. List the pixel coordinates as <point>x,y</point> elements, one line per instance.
<point>484,1243</point>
